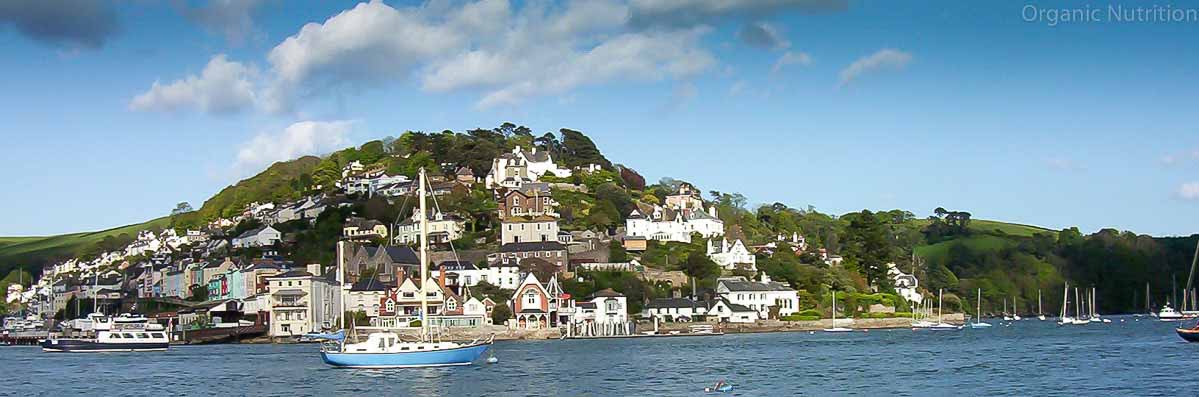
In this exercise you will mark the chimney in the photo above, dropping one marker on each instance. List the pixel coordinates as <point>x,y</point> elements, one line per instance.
<point>315,269</point>
<point>441,276</point>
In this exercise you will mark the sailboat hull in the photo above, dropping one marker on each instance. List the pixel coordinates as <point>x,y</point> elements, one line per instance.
<point>438,358</point>
<point>1189,335</point>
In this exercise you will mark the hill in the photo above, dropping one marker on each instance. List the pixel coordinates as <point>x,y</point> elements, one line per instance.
<point>39,250</point>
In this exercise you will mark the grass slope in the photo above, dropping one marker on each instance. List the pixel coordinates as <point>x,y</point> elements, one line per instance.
<point>35,250</point>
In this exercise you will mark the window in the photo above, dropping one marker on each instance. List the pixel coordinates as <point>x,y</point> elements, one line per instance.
<point>116,336</point>
<point>127,336</point>
<point>451,305</point>
<point>531,298</point>
<point>143,335</point>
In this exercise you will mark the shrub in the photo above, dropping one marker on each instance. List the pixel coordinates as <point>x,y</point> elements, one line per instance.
<point>798,317</point>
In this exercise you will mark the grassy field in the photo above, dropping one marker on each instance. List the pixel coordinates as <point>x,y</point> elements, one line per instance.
<point>982,242</point>
<point>22,250</point>
<point>1014,229</point>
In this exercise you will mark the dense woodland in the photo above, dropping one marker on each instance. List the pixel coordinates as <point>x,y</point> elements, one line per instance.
<point>946,249</point>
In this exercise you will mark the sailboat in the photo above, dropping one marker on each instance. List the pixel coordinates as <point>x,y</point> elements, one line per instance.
<point>941,325</point>
<point>978,313</point>
<point>1078,310</point>
<point>1094,312</point>
<point>835,328</point>
<point>386,349</point>
<point>1040,313</point>
<point>1006,316</point>
<point>1015,317</point>
<point>1064,319</point>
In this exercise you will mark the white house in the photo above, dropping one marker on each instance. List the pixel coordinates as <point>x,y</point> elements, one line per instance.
<point>664,224</point>
<point>528,230</point>
<point>905,284</point>
<point>510,170</point>
<point>303,302</point>
<point>759,296</point>
<point>674,309</point>
<point>729,312</point>
<point>732,256</point>
<point>604,313</point>
<point>443,228</point>
<point>260,237</point>
<point>540,163</point>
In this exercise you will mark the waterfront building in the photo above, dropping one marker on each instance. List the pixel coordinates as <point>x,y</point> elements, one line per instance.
<point>538,306</point>
<point>303,301</point>
<point>771,299</point>
<point>366,296</point>
<point>727,312</point>
<point>389,263</point>
<point>674,309</point>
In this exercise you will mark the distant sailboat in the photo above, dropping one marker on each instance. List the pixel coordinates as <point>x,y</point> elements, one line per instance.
<point>1064,319</point>
<point>941,325</point>
<point>835,328</point>
<point>1040,313</point>
<point>978,313</point>
<point>1006,315</point>
<point>1015,315</point>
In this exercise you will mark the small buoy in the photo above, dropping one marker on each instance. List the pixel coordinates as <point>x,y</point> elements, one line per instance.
<point>811,332</point>
<point>492,360</point>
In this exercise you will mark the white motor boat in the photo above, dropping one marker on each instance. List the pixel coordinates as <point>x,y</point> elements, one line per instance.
<point>1168,314</point>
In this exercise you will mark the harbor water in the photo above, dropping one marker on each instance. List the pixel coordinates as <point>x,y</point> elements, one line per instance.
<point>1125,357</point>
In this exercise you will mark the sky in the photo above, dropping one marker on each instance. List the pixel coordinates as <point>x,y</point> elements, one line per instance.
<point>1054,114</point>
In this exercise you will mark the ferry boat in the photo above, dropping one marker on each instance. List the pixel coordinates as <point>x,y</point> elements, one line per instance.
<point>124,333</point>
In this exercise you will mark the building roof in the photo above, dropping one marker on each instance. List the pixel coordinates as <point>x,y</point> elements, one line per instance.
<point>291,292</point>
<point>293,273</point>
<point>457,265</point>
<point>735,307</point>
<point>400,254</point>
<point>606,293</point>
<point>661,303</point>
<point>740,284</point>
<point>533,246</point>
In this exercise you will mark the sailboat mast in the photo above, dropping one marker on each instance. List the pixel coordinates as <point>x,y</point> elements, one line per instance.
<point>940,292</point>
<point>979,312</point>
<point>341,283</point>
<point>95,293</point>
<point>1039,312</point>
<point>1077,305</point>
<point>424,265</point>
<point>1065,298</point>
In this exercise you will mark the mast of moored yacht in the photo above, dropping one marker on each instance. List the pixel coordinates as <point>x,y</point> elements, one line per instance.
<point>1077,304</point>
<point>424,266</point>
<point>978,313</point>
<point>940,292</point>
<point>1039,312</point>
<point>1065,298</point>
<point>341,283</point>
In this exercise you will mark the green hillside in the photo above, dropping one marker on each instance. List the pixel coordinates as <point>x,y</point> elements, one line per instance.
<point>27,251</point>
<point>1013,229</point>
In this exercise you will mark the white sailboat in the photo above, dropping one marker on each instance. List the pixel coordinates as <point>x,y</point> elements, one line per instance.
<point>978,313</point>
<point>941,325</point>
<point>1078,310</point>
<point>1040,314</point>
<point>835,328</point>
<point>1006,316</point>
<point>1064,319</point>
<point>387,349</point>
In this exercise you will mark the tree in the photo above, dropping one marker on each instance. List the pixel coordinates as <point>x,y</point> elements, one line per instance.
<point>631,178</point>
<point>617,253</point>
<point>579,150</point>
<point>701,267</point>
<point>182,208</point>
<point>501,314</point>
<point>868,245</point>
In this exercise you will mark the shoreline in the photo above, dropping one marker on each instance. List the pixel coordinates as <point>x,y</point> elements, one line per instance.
<point>768,326</point>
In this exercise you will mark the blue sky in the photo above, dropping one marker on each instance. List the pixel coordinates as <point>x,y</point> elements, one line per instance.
<point>841,106</point>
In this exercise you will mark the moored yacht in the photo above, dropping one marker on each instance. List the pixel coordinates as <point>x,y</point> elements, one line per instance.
<point>1168,314</point>
<point>124,333</point>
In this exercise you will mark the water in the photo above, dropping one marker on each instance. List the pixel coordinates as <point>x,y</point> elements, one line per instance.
<point>1027,358</point>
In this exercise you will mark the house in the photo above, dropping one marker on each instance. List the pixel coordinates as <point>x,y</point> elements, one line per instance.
<point>550,251</point>
<point>539,163</point>
<point>905,284</point>
<point>611,307</point>
<point>404,301</point>
<point>260,237</point>
<point>528,229</point>
<point>674,309</point>
<point>362,229</point>
<point>732,256</point>
<point>530,200</point>
<point>507,171</point>
<point>303,301</point>
<point>366,296</point>
<point>465,176</point>
<point>686,198</point>
<point>665,224</point>
<point>537,306</point>
<point>727,312</point>
<point>254,276</point>
<point>388,262</point>
<point>761,296</point>
<point>443,228</point>
<point>212,269</point>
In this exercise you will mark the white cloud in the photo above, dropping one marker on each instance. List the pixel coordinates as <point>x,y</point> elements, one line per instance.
<point>222,87</point>
<point>1189,191</point>
<point>299,139</point>
<point>883,59</point>
<point>1063,164</point>
<point>504,54</point>
<point>791,58</point>
<point>738,87</point>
